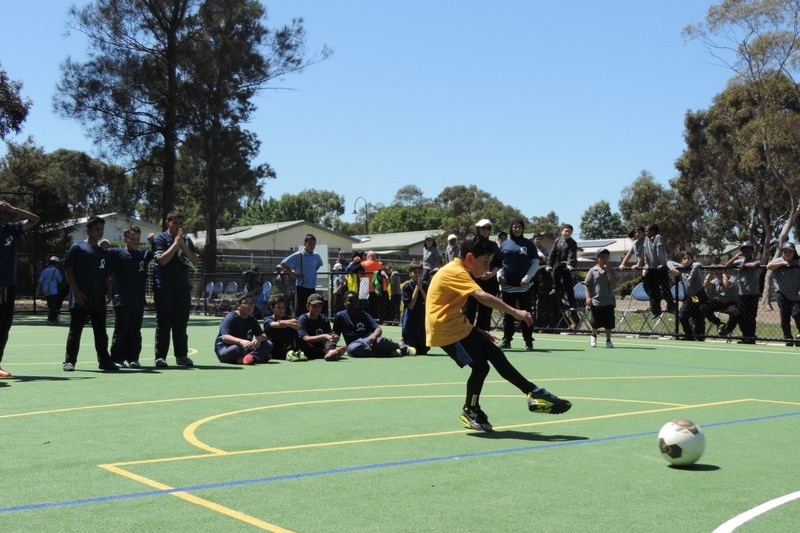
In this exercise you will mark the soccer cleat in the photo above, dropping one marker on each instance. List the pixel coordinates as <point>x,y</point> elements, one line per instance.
<point>475,418</point>
<point>541,401</point>
<point>184,361</point>
<point>161,363</point>
<point>69,367</point>
<point>293,356</point>
<point>593,341</point>
<point>4,374</point>
<point>609,344</point>
<point>248,359</point>
<point>505,345</point>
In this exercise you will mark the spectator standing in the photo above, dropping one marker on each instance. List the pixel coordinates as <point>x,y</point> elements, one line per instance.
<point>303,266</point>
<point>373,271</point>
<point>431,257</point>
<point>49,286</point>
<point>656,276</point>
<point>175,257</point>
<point>476,313</point>
<point>86,272</point>
<point>395,286</point>
<point>520,260</point>
<point>10,234</point>
<point>453,249</point>
<point>786,276</point>
<point>128,281</point>
<point>599,288</point>
<point>413,326</point>
<point>747,280</point>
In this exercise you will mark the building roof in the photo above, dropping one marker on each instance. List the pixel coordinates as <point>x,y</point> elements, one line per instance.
<point>228,236</point>
<point>398,242</point>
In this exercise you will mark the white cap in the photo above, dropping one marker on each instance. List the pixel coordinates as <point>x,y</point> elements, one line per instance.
<point>451,237</point>
<point>483,222</point>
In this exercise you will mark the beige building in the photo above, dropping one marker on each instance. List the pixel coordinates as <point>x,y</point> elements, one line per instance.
<point>276,236</point>
<point>115,225</point>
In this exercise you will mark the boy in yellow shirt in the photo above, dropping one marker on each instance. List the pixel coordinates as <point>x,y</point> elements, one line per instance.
<point>446,327</point>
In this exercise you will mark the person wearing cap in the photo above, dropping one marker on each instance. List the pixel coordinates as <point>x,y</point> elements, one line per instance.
<point>453,249</point>
<point>519,262</point>
<point>478,314</point>
<point>600,282</point>
<point>240,340</point>
<point>10,234</point>
<point>747,280</point>
<point>363,336</point>
<point>317,339</point>
<point>786,277</point>
<point>86,272</point>
<point>302,266</point>
<point>49,285</point>
<point>691,315</point>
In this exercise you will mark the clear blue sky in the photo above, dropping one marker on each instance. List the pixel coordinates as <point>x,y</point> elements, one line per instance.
<point>549,106</point>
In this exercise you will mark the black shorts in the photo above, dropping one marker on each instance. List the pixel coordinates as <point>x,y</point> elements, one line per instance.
<point>474,347</point>
<point>603,317</point>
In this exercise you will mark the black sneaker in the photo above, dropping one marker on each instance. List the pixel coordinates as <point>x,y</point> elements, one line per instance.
<point>109,366</point>
<point>541,401</point>
<point>529,347</point>
<point>475,418</point>
<point>505,345</point>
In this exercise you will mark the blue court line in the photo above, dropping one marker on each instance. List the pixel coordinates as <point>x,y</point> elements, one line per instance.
<point>364,468</point>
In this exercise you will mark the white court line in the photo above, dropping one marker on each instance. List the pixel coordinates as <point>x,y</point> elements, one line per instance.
<point>746,516</point>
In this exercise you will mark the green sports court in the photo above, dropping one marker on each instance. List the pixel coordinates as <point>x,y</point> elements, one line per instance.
<point>376,445</point>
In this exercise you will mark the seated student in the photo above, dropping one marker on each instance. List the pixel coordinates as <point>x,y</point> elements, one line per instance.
<point>413,294</point>
<point>241,340</point>
<point>282,330</point>
<point>317,340</point>
<point>722,295</point>
<point>691,314</point>
<point>362,334</point>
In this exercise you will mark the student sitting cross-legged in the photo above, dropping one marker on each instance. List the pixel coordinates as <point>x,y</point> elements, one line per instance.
<point>362,334</point>
<point>241,340</point>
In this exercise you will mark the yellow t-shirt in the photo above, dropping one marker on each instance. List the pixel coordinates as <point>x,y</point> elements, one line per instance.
<point>448,291</point>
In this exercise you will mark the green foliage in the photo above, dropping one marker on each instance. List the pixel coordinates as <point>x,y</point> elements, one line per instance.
<point>547,225</point>
<point>598,222</point>
<point>13,108</point>
<point>288,207</point>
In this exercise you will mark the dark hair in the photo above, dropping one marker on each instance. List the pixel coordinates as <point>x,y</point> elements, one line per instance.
<point>415,265</point>
<point>174,214</point>
<point>503,234</point>
<point>309,237</point>
<point>132,229</point>
<point>354,293</point>
<point>95,220</point>
<point>537,235</point>
<point>478,246</point>
<point>567,226</point>
<point>278,298</point>
<point>653,227</point>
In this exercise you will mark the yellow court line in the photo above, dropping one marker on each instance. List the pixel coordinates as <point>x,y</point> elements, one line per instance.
<point>221,453</point>
<point>374,387</point>
<point>189,433</point>
<point>191,498</point>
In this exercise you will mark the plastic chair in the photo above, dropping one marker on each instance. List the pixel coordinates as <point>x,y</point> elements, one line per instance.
<point>637,295</point>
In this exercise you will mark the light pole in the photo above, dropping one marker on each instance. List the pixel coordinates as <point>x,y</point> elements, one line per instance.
<point>366,213</point>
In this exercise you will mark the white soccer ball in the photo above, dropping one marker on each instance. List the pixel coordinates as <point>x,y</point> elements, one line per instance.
<point>681,442</point>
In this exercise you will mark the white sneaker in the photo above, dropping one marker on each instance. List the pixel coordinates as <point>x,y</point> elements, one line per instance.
<point>69,367</point>
<point>609,344</point>
<point>593,341</point>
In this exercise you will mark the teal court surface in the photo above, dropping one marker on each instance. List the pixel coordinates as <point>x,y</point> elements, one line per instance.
<point>376,445</point>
